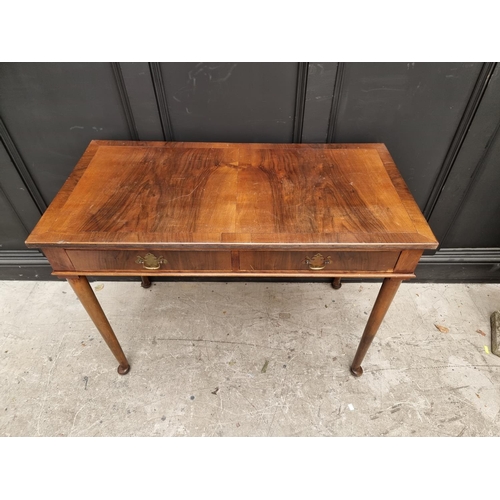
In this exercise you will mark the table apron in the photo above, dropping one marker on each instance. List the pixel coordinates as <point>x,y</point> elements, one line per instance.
<point>153,261</point>
<point>248,274</point>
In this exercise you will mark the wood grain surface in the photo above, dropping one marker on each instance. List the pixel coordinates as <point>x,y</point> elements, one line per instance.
<point>97,260</point>
<point>338,261</point>
<point>218,209</point>
<point>226,196</point>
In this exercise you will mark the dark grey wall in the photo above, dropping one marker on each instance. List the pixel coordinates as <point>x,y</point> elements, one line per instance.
<point>413,108</point>
<point>231,102</point>
<point>467,213</point>
<point>439,120</point>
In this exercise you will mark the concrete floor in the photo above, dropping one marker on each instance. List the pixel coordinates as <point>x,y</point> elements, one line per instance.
<point>248,359</point>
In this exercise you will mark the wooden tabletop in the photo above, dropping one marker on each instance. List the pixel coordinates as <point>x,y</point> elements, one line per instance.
<point>218,195</point>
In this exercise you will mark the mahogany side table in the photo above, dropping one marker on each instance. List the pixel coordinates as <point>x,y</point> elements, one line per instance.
<point>215,209</point>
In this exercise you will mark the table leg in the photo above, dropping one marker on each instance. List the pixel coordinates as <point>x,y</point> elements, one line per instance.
<point>146,282</point>
<point>384,299</point>
<point>88,299</point>
<point>336,283</point>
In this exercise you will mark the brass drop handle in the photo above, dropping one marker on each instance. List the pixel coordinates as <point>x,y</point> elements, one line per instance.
<point>318,262</point>
<point>149,261</point>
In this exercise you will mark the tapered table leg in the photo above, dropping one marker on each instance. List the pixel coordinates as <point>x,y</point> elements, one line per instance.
<point>146,282</point>
<point>336,283</point>
<point>87,297</point>
<point>384,300</point>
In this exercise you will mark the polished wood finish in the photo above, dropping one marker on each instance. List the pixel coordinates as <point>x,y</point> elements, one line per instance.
<point>145,282</point>
<point>241,274</point>
<point>98,260</point>
<point>200,195</point>
<point>338,261</point>
<point>384,299</point>
<point>408,261</point>
<point>220,209</point>
<point>58,259</point>
<point>89,301</point>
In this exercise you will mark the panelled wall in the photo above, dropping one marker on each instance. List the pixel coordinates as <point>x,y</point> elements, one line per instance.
<point>439,120</point>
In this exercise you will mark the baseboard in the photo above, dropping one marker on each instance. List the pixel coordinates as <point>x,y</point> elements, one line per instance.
<point>449,265</point>
<point>24,265</point>
<point>473,265</point>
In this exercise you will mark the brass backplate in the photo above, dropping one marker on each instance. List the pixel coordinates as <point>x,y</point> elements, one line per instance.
<point>149,261</point>
<point>317,262</point>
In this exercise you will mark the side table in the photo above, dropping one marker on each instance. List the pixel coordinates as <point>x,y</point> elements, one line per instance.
<point>221,209</point>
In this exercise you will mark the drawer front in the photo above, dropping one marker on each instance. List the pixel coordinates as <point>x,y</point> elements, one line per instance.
<point>324,261</point>
<point>149,261</point>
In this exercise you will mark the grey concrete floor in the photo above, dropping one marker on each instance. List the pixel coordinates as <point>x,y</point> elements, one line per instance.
<point>248,359</point>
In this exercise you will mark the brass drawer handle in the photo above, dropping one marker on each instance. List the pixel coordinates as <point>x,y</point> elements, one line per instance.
<point>149,261</point>
<point>318,262</point>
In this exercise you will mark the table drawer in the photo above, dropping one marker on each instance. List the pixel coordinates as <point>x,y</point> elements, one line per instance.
<point>149,261</point>
<point>324,261</point>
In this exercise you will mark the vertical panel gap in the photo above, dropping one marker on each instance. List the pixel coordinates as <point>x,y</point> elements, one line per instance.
<point>161,99</point>
<point>459,137</point>
<point>337,94</point>
<point>300,101</point>
<point>127,109</point>
<point>478,169</point>
<point>21,168</point>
